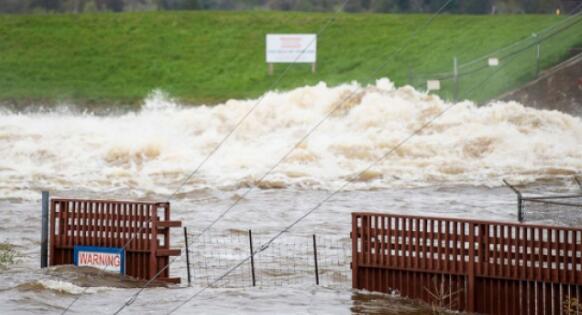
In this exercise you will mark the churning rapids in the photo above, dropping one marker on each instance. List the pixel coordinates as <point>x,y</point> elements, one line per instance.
<point>452,168</point>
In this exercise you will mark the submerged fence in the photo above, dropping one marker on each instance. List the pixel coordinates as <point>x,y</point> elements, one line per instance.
<point>469,265</point>
<point>291,261</point>
<point>141,229</point>
<point>564,209</point>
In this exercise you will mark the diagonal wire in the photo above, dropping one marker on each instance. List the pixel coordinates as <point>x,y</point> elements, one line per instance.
<point>259,101</point>
<point>541,37</point>
<point>219,145</point>
<point>330,196</point>
<point>325,118</point>
<point>241,197</point>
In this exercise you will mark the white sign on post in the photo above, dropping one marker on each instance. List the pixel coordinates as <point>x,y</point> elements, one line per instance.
<point>433,85</point>
<point>493,62</point>
<point>291,48</point>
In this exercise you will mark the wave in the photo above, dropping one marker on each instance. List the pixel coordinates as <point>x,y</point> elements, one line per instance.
<point>57,286</point>
<point>151,150</point>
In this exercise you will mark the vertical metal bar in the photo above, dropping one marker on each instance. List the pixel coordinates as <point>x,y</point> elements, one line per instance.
<point>44,230</point>
<point>153,232</point>
<point>519,208</point>
<point>355,236</point>
<point>471,270</point>
<point>187,254</point>
<point>315,260</point>
<point>52,231</point>
<point>252,258</point>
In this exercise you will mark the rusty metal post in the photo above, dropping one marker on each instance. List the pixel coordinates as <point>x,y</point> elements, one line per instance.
<point>519,201</point>
<point>252,258</point>
<point>471,270</point>
<point>315,260</point>
<point>187,254</point>
<point>354,236</point>
<point>44,230</point>
<point>153,259</point>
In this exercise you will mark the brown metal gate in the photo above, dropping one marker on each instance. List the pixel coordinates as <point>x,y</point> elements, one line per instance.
<point>469,265</point>
<point>143,228</point>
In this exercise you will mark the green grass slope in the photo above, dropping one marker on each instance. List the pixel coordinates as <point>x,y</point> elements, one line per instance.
<point>207,57</point>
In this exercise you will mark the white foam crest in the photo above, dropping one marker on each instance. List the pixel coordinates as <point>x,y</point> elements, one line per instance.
<point>150,151</point>
<point>67,287</point>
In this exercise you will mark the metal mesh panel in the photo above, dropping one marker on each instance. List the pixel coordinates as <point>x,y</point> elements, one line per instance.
<point>564,210</point>
<point>553,208</point>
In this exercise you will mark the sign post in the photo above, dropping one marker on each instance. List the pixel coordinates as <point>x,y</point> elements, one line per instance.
<point>291,48</point>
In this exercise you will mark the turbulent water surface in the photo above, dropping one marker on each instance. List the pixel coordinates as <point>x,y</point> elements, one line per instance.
<point>453,167</point>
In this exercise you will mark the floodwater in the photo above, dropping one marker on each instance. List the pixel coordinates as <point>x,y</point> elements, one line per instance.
<point>453,168</point>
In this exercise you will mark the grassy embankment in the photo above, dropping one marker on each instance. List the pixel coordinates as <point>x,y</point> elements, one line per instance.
<point>207,57</point>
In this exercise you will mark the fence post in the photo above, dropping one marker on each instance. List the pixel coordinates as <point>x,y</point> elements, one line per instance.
<point>153,259</point>
<point>519,201</point>
<point>187,254</point>
<point>519,208</point>
<point>252,258</point>
<point>354,264</point>
<point>455,79</point>
<point>44,230</point>
<point>537,59</point>
<point>315,260</point>
<point>471,270</point>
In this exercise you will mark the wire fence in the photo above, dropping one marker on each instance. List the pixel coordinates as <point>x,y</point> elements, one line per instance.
<point>288,262</point>
<point>565,210</point>
<point>522,60</point>
<point>545,205</point>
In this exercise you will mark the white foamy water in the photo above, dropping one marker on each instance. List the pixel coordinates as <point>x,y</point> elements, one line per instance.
<point>150,151</point>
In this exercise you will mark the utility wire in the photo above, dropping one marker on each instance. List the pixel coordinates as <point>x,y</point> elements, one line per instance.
<point>259,101</point>
<point>572,15</point>
<point>330,196</point>
<point>241,197</point>
<point>313,128</point>
<point>270,170</point>
<point>219,145</point>
<point>540,38</point>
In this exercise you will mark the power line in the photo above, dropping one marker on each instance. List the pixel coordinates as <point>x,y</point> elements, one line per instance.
<point>330,196</point>
<point>219,145</point>
<point>540,37</point>
<point>241,197</point>
<point>572,13</point>
<point>259,101</point>
<point>262,178</point>
<point>313,128</point>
